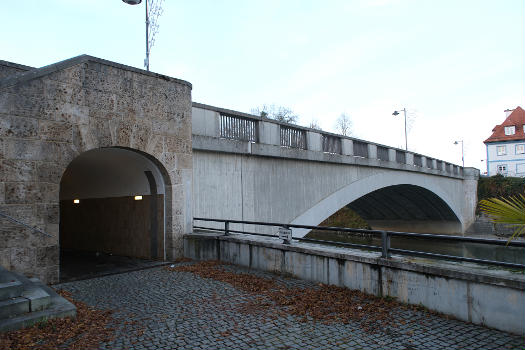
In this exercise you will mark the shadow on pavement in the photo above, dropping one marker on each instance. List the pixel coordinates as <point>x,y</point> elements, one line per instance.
<point>78,265</point>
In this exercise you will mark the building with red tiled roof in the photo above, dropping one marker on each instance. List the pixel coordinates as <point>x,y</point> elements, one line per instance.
<point>506,145</point>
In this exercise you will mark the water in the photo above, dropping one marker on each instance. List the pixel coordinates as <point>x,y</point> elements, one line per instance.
<point>465,249</point>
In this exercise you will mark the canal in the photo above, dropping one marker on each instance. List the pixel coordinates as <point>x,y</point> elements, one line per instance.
<point>465,249</point>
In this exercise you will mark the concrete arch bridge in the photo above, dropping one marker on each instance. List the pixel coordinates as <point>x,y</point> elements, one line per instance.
<point>253,169</point>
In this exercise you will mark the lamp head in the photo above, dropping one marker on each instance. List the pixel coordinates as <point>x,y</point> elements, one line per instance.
<point>395,113</point>
<point>132,2</point>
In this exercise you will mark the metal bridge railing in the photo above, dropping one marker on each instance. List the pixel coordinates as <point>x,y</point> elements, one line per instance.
<point>384,248</point>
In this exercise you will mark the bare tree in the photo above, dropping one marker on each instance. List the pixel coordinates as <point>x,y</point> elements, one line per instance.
<point>343,125</point>
<point>314,125</point>
<point>279,113</point>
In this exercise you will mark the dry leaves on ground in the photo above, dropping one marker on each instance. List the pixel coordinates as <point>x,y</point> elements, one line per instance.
<point>86,331</point>
<point>325,303</point>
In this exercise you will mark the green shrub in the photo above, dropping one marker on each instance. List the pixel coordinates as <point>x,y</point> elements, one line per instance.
<point>500,186</point>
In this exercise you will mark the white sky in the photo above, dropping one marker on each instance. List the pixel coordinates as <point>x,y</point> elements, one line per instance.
<point>455,65</point>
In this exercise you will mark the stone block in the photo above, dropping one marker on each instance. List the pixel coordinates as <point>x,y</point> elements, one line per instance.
<point>184,161</point>
<point>48,275</point>
<point>100,131</point>
<point>49,212</point>
<point>23,149</point>
<point>23,259</point>
<point>82,140</point>
<point>140,135</point>
<point>13,307</point>
<point>47,256</point>
<point>49,192</point>
<point>59,152</point>
<point>21,212</point>
<point>155,146</point>
<point>10,287</point>
<point>32,87</point>
<point>12,170</point>
<point>22,192</point>
<point>177,144</point>
<point>48,172</point>
<point>13,235</point>
<point>124,131</point>
<point>5,258</point>
<point>14,126</point>
<point>2,193</point>
<point>73,75</point>
<point>176,176</point>
<point>72,113</point>
<point>61,92</point>
<point>55,131</point>
<point>38,298</point>
<point>169,160</point>
<point>51,229</point>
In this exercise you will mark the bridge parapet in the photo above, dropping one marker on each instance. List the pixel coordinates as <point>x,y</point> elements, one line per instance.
<point>263,136</point>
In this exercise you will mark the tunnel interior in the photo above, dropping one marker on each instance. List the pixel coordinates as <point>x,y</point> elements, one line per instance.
<point>111,212</point>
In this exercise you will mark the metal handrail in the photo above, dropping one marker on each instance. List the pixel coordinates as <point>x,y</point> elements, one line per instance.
<point>34,228</point>
<point>385,240</point>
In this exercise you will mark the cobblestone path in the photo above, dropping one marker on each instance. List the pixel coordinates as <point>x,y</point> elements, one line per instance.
<point>161,309</point>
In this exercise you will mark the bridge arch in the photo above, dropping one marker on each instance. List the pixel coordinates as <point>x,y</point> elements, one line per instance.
<point>429,200</point>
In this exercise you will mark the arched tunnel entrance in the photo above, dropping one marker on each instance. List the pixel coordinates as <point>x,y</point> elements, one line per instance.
<point>111,213</point>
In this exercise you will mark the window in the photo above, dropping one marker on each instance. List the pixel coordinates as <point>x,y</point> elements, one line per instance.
<point>510,130</point>
<point>502,169</point>
<point>520,149</point>
<point>502,150</point>
<point>520,168</point>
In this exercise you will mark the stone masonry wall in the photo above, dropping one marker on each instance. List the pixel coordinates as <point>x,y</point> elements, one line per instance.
<point>50,116</point>
<point>8,69</point>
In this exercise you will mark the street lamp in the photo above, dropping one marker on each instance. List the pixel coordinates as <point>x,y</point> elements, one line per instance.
<point>462,153</point>
<point>136,2</point>
<point>397,113</point>
<point>156,11</point>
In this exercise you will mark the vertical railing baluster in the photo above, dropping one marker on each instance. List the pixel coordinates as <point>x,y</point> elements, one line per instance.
<point>385,245</point>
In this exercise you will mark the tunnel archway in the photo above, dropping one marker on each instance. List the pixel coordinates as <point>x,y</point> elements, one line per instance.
<point>112,203</point>
<point>402,202</point>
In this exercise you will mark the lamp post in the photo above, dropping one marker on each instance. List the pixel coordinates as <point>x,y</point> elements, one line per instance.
<point>136,2</point>
<point>397,113</point>
<point>462,153</point>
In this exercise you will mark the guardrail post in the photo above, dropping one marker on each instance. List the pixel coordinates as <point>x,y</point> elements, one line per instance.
<point>226,228</point>
<point>385,245</point>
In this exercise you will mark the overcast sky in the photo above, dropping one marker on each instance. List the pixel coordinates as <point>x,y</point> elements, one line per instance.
<point>455,65</point>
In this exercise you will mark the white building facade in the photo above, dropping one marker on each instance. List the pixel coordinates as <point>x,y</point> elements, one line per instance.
<point>506,146</point>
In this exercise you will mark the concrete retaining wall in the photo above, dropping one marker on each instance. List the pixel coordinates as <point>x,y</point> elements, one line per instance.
<point>494,298</point>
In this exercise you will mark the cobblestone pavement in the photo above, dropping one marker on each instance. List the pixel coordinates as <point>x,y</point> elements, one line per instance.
<point>161,309</point>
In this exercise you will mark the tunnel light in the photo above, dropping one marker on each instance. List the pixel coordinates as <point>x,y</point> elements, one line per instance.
<point>76,201</point>
<point>138,198</point>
